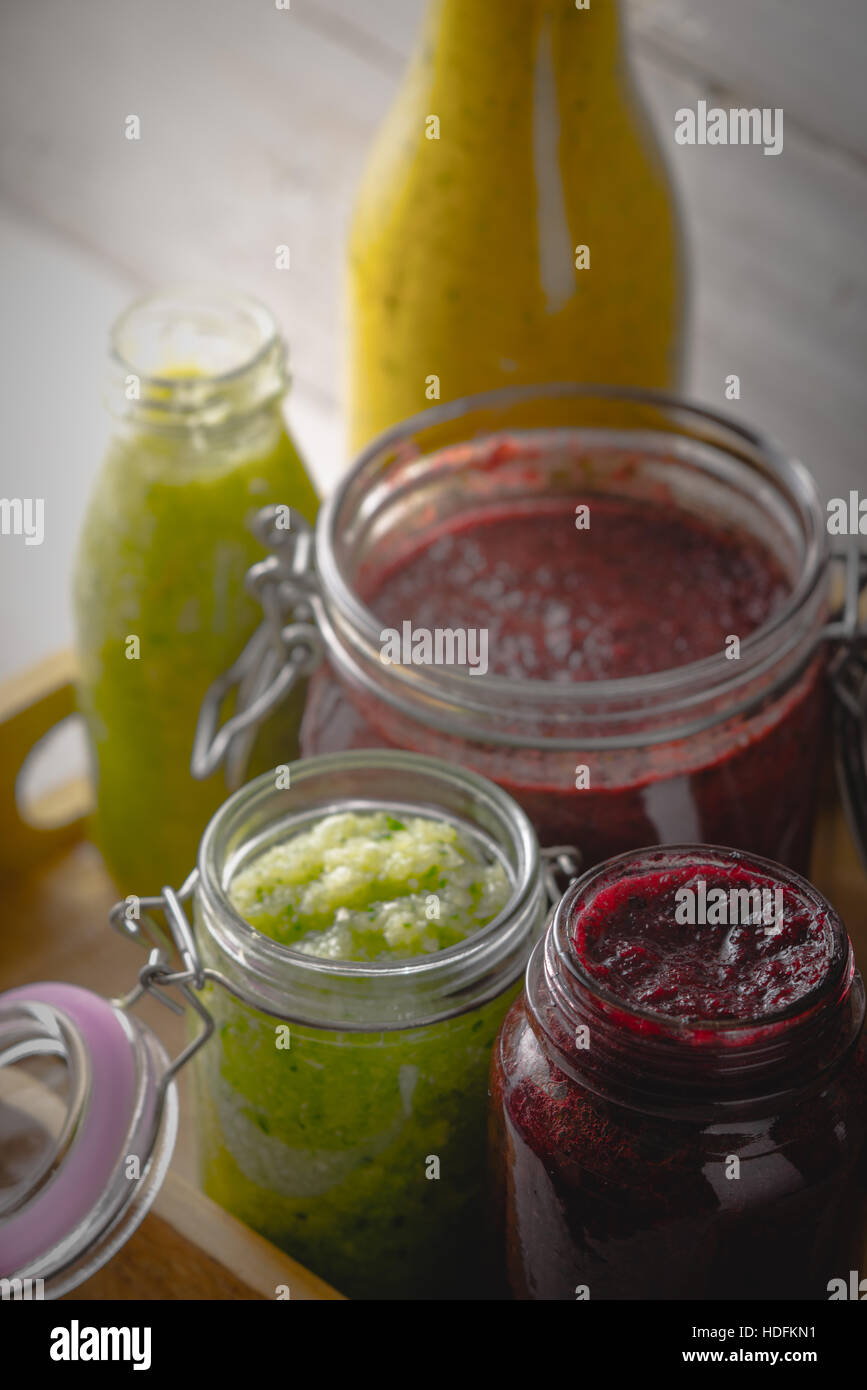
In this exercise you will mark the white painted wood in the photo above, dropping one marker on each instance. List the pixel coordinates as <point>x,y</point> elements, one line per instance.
<point>806,56</point>
<point>55,304</point>
<point>780,285</point>
<point>252,132</point>
<point>255,124</point>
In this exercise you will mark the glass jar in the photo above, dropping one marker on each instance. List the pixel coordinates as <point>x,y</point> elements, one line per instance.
<point>717,750</point>
<point>641,1156</point>
<point>354,1138</point>
<point>199,445</point>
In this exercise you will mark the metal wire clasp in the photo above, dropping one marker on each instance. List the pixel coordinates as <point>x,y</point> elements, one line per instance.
<point>132,918</point>
<point>561,865</point>
<point>847,665</point>
<point>284,649</point>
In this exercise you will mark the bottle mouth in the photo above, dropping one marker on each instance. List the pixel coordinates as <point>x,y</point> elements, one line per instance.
<point>195,355</point>
<point>563,439</point>
<point>358,994</point>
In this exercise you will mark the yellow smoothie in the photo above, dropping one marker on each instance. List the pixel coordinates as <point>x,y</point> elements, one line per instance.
<point>515,223</point>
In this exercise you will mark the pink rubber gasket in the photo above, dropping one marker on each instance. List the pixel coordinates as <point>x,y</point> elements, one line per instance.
<point>90,1165</point>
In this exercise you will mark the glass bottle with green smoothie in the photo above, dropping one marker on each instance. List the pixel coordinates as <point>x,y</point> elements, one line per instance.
<point>515,223</point>
<point>198,381</point>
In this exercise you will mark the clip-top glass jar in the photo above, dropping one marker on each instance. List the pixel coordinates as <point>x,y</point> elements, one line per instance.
<point>357,1140</point>
<point>679,1111</point>
<point>671,690</point>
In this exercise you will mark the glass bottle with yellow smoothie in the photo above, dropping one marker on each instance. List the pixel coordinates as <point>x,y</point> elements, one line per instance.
<point>160,605</point>
<point>515,223</point>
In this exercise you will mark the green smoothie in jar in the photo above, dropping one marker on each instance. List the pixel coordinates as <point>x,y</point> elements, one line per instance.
<point>372,948</point>
<point>160,605</point>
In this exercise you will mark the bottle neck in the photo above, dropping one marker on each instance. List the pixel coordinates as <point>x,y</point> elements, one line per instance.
<point>708,1069</point>
<point>188,362</point>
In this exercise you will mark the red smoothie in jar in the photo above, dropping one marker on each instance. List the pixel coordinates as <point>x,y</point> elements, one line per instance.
<point>600,588</point>
<point>679,1106</point>
<point>643,589</point>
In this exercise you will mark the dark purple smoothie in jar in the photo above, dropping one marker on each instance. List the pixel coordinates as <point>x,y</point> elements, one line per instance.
<point>678,1100</point>
<point>653,661</point>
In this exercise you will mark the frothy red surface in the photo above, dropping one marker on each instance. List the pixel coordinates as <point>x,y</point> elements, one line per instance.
<point>645,589</point>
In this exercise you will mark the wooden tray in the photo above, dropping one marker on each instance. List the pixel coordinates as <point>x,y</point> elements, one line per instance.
<point>57,894</point>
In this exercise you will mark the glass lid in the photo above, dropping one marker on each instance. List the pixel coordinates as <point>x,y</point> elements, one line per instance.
<point>88,1118</point>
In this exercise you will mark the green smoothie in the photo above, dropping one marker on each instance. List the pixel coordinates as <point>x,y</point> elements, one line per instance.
<point>160,604</point>
<point>361,1153</point>
<point>371,887</point>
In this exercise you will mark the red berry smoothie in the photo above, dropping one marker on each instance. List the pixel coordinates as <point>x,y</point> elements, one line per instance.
<point>679,1106</point>
<point>598,588</point>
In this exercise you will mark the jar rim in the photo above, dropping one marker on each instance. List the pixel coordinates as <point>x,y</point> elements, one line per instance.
<point>836,978</point>
<point>256,946</point>
<point>794,478</point>
<point>203,296</point>
<point>231,341</point>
